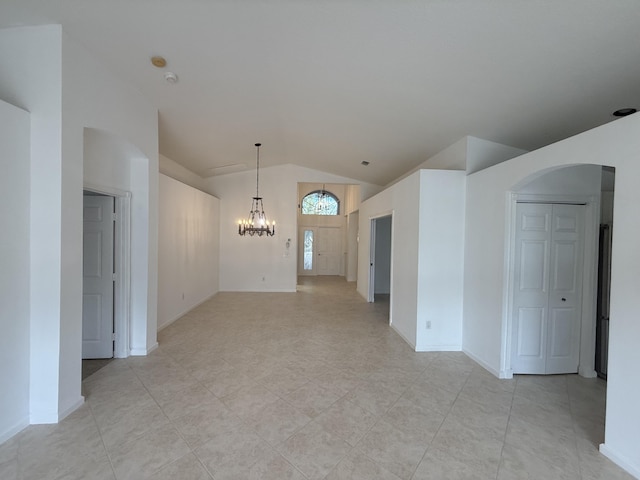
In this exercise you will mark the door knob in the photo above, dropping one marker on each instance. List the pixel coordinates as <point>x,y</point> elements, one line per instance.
<point>564,299</point>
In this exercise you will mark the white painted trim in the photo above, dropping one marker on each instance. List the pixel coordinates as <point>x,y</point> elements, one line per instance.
<point>14,430</point>
<point>507,298</point>
<point>64,414</point>
<point>43,418</point>
<point>104,190</point>
<point>372,254</point>
<point>169,322</point>
<point>141,352</point>
<point>413,347</point>
<point>266,290</point>
<point>586,362</point>
<point>439,348</point>
<point>626,464</point>
<point>502,374</point>
<point>372,258</point>
<point>122,306</point>
<point>587,359</point>
<point>586,373</point>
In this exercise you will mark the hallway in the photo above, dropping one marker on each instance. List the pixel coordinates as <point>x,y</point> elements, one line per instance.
<point>313,385</point>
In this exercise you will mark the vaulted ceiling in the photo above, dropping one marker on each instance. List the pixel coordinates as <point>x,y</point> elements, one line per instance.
<point>329,84</point>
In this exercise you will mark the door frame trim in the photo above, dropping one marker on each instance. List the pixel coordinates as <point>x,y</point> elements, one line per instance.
<point>122,263</point>
<point>586,363</point>
<point>372,254</point>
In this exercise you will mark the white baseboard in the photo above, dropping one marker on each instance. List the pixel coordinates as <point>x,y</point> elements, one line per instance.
<point>43,418</point>
<point>621,461</point>
<point>502,374</point>
<point>438,348</point>
<point>393,327</point>
<point>180,315</point>
<point>587,372</point>
<point>141,352</point>
<point>14,429</point>
<point>68,411</point>
<point>266,290</point>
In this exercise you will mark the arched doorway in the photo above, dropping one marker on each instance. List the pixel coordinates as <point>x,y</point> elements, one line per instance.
<point>545,334</point>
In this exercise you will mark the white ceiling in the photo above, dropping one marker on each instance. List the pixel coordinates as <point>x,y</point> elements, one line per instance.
<point>328,84</point>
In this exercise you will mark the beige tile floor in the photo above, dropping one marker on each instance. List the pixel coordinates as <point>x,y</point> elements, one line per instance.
<point>313,385</point>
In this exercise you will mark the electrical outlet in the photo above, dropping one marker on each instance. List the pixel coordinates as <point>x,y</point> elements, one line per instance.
<point>428,324</point>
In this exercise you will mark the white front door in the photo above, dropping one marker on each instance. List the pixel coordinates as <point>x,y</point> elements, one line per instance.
<point>547,288</point>
<point>97,285</point>
<point>329,250</point>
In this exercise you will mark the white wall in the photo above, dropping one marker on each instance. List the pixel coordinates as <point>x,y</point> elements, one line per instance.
<point>173,169</point>
<point>353,198</point>
<point>441,261</point>
<point>188,249</point>
<point>92,97</point>
<point>65,90</point>
<point>426,257</point>
<point>246,260</point>
<point>454,157</point>
<point>582,180</point>
<point>31,78</point>
<point>400,201</point>
<point>14,274</point>
<point>483,154</point>
<point>616,144</point>
<point>469,154</point>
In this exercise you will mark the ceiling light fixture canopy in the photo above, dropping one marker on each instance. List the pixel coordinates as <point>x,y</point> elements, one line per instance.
<point>256,223</point>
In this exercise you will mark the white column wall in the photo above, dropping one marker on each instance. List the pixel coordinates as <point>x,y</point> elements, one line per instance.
<point>441,260</point>
<point>92,97</point>
<point>188,248</point>
<point>616,144</point>
<point>426,259</point>
<point>14,274</point>
<point>399,200</point>
<point>31,78</point>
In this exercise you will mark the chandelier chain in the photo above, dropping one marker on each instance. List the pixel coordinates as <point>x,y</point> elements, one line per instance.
<point>257,169</point>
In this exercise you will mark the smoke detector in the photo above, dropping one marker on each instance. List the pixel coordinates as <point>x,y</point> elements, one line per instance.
<point>171,77</point>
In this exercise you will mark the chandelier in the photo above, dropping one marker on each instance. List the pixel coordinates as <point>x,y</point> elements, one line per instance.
<point>322,205</point>
<point>256,223</point>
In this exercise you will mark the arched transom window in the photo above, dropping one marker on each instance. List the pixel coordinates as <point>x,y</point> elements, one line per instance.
<point>320,202</point>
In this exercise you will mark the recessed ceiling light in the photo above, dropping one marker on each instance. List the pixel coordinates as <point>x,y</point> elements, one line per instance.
<point>158,61</point>
<point>623,112</point>
<point>364,162</point>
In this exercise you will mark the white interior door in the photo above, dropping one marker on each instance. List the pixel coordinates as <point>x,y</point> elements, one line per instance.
<point>97,286</point>
<point>329,252</point>
<point>547,288</point>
